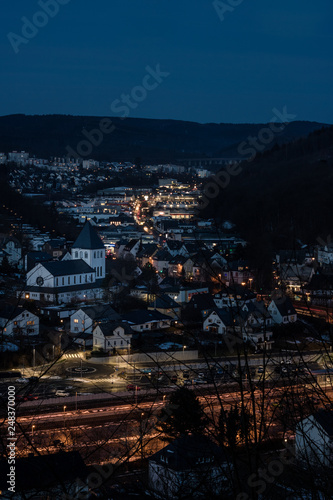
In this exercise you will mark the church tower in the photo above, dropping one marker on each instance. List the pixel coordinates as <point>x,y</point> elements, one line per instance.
<point>89,247</point>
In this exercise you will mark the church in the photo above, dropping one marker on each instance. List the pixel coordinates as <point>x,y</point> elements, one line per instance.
<point>78,276</point>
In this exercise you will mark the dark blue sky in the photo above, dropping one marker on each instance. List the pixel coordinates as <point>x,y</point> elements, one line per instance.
<point>263,55</point>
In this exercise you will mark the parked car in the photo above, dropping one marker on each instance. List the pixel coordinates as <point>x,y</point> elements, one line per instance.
<point>32,397</point>
<point>147,371</point>
<point>260,369</point>
<point>61,393</point>
<point>199,381</point>
<point>132,387</point>
<point>19,398</point>
<point>22,380</point>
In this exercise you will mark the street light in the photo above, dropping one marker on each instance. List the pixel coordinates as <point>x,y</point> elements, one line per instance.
<point>184,347</point>
<point>65,408</point>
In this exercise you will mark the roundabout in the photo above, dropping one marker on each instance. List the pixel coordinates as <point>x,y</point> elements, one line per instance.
<point>79,369</point>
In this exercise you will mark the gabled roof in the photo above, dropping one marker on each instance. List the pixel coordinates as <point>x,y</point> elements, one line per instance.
<point>88,239</point>
<point>131,244</point>
<point>225,316</point>
<point>185,453</point>
<point>59,243</point>
<point>325,419</point>
<point>174,244</point>
<point>142,316</point>
<point>320,282</point>
<point>101,312</point>
<point>162,255</point>
<point>178,259</point>
<point>10,312</point>
<point>202,301</point>
<point>148,250</point>
<point>109,328</point>
<point>67,267</point>
<point>164,302</point>
<point>285,307</point>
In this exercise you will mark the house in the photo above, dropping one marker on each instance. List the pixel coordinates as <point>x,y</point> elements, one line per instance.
<point>147,253</point>
<point>282,311</point>
<point>112,335</point>
<point>260,338</point>
<point>190,467</point>
<point>55,247</point>
<point>320,289</point>
<point>175,267</point>
<point>314,439</point>
<point>295,277</point>
<point>199,305</point>
<point>78,277</point>
<point>218,321</point>
<point>236,273</point>
<point>187,292</point>
<point>131,249</point>
<point>46,476</point>
<point>161,261</point>
<point>234,296</point>
<point>173,247</point>
<point>256,315</point>
<point>86,318</point>
<point>18,321</point>
<point>165,305</point>
<point>142,320</point>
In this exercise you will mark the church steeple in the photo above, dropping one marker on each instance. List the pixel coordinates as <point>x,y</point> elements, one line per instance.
<point>89,247</point>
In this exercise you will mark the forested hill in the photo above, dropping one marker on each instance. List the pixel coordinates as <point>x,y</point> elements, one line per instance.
<point>284,194</point>
<point>150,140</point>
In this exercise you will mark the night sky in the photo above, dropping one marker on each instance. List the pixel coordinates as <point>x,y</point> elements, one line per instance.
<point>232,66</point>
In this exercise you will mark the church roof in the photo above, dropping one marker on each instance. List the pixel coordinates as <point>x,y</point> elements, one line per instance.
<point>67,267</point>
<point>88,238</point>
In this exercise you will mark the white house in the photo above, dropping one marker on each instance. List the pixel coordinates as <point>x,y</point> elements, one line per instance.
<point>190,467</point>
<point>113,335</point>
<point>314,439</point>
<point>282,311</point>
<point>142,320</point>
<point>259,338</point>
<point>86,318</point>
<point>79,276</point>
<point>217,321</point>
<point>18,321</point>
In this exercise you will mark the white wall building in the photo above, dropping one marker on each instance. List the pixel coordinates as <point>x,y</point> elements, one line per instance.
<point>109,336</point>
<point>314,439</point>
<point>18,321</point>
<point>79,276</point>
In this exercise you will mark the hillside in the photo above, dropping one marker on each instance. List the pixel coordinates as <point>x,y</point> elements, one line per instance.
<point>284,194</point>
<point>150,140</point>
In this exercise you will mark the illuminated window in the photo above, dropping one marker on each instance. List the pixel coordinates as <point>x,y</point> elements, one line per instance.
<point>76,321</point>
